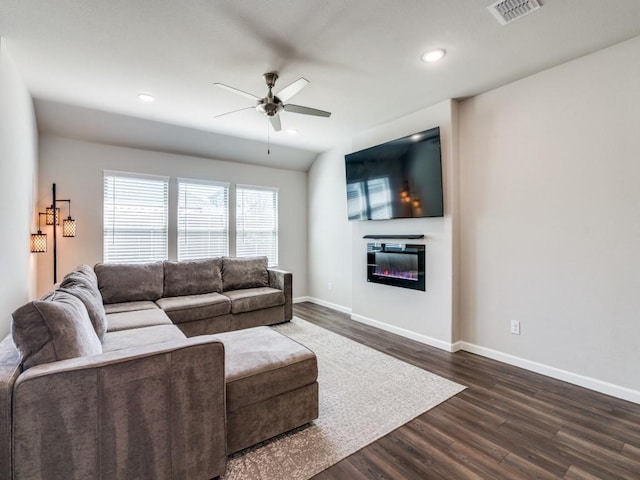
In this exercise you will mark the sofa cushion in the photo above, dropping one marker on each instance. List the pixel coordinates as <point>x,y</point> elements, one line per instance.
<point>54,329</point>
<point>260,363</point>
<point>195,307</point>
<point>130,306</point>
<point>192,277</point>
<point>139,337</point>
<point>86,274</point>
<point>250,299</point>
<point>137,319</point>
<point>130,282</point>
<point>246,272</point>
<point>83,284</point>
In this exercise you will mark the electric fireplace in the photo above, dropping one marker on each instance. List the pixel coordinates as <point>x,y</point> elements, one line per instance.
<point>397,264</point>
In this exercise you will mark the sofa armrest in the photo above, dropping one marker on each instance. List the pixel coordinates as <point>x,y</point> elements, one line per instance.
<point>148,412</point>
<point>9,372</point>
<point>283,281</point>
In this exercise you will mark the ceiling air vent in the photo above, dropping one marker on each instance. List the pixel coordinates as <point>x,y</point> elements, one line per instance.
<point>506,11</point>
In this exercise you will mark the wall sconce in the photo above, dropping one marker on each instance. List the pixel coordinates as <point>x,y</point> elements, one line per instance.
<point>39,240</point>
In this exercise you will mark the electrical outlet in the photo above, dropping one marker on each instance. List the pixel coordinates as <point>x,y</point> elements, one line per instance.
<point>515,327</point>
<point>329,286</point>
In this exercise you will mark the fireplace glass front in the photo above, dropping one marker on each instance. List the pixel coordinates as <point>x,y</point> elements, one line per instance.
<point>396,264</point>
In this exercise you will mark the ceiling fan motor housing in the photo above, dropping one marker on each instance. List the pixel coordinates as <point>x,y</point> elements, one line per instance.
<point>270,106</point>
<point>270,78</point>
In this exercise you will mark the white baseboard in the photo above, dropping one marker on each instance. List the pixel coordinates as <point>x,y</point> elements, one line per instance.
<point>547,370</point>
<point>553,372</point>
<point>433,342</point>
<point>323,303</point>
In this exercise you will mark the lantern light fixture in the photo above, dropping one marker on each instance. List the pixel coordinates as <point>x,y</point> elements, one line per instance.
<point>52,214</point>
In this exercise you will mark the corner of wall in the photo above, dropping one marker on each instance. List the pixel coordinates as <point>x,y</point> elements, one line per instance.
<point>455,222</point>
<point>330,233</point>
<point>18,179</point>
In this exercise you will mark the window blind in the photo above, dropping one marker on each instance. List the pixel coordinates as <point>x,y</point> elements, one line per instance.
<point>203,219</point>
<point>257,222</point>
<point>135,218</point>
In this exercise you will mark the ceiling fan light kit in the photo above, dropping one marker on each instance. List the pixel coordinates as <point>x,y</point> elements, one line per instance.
<point>271,105</point>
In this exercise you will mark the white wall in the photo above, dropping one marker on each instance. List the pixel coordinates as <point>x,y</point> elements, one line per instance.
<point>550,217</point>
<point>76,168</point>
<point>429,315</point>
<point>18,177</point>
<point>330,235</point>
<point>337,251</point>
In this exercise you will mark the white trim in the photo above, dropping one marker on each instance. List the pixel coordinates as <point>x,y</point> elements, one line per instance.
<point>324,303</point>
<point>200,181</point>
<point>433,342</point>
<point>146,176</point>
<point>553,372</point>
<point>257,187</point>
<point>547,370</point>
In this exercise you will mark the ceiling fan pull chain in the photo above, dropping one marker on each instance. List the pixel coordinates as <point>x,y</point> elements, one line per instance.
<point>268,139</point>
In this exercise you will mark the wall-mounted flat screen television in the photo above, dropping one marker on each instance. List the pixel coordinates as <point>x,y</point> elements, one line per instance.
<point>398,179</point>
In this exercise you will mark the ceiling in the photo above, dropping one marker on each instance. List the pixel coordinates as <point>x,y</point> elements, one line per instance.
<point>84,60</point>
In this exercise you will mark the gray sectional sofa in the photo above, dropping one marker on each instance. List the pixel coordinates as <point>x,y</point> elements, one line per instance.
<point>205,296</point>
<point>99,379</point>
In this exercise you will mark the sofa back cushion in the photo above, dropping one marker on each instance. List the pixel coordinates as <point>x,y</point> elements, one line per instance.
<point>192,277</point>
<point>83,284</point>
<point>246,272</point>
<point>55,328</point>
<point>130,282</point>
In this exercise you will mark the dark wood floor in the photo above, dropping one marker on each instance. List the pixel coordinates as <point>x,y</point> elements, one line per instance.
<point>508,424</point>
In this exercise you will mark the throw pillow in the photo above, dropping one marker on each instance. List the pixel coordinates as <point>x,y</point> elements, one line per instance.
<point>192,277</point>
<point>84,286</point>
<point>247,272</point>
<point>130,282</point>
<point>54,329</point>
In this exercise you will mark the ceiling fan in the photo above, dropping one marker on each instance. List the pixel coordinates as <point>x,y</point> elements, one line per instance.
<point>272,105</point>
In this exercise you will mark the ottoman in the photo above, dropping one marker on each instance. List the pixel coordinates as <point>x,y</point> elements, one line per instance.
<point>271,384</point>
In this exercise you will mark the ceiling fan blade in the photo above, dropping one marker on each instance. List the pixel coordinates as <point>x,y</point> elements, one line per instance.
<point>290,90</point>
<point>236,91</point>
<point>233,111</point>
<point>275,123</point>
<point>306,110</point>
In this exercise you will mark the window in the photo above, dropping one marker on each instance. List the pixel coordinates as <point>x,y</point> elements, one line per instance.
<point>135,217</point>
<point>203,219</point>
<point>257,222</point>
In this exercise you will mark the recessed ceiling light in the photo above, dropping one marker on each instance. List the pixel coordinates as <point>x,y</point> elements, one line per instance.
<point>292,131</point>
<point>433,55</point>
<point>146,97</point>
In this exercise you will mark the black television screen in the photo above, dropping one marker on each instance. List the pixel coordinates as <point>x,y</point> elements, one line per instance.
<point>398,179</point>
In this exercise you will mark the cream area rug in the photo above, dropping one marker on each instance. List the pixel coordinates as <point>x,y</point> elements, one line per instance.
<point>364,395</point>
